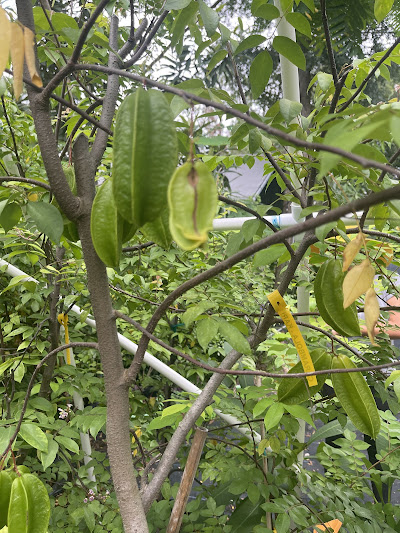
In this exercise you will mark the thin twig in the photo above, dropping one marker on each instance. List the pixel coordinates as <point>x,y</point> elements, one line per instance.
<point>329,42</point>
<point>137,247</point>
<point>284,178</point>
<point>236,73</point>
<point>26,180</point>
<point>239,205</point>
<point>370,75</point>
<point>16,152</point>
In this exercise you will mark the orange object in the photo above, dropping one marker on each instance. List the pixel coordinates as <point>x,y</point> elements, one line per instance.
<point>335,525</point>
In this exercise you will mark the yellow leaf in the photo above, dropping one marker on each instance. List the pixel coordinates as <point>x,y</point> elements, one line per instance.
<point>17,57</point>
<point>372,312</point>
<point>152,401</point>
<point>29,47</point>
<point>352,250</point>
<point>333,524</point>
<point>357,281</point>
<point>5,38</point>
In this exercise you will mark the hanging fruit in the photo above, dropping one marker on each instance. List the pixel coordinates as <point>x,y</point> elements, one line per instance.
<point>145,156</point>
<point>193,200</point>
<point>329,297</point>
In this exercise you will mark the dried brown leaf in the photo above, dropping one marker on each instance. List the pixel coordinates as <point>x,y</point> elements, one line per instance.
<point>30,58</point>
<point>17,57</point>
<point>5,39</point>
<point>372,312</point>
<point>351,250</point>
<point>357,281</point>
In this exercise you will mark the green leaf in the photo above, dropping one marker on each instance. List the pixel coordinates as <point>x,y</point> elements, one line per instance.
<point>262,405</point>
<point>209,16</point>
<point>234,337</point>
<point>322,231</point>
<point>246,516</point>
<point>249,42</point>
<point>181,22</point>
<point>216,58</point>
<point>173,409</point>
<point>300,23</point>
<point>291,50</point>
<point>267,12</point>
<point>47,459</point>
<point>327,430</point>
<point>298,411</point>
<point>260,72</point>
<point>68,443</point>
<point>42,404</point>
<point>382,8</point>
<point>254,140</point>
<point>89,518</point>
<point>269,255</point>
<point>34,436</point>
<point>10,216</point>
<point>206,330</point>
<point>176,4</point>
<point>282,523</point>
<point>47,218</point>
<point>289,109</point>
<point>5,436</point>
<point>324,80</point>
<point>273,416</point>
<point>162,422</point>
<point>193,312</point>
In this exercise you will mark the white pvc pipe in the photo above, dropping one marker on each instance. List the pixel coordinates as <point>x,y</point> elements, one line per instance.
<point>279,221</point>
<point>149,359</point>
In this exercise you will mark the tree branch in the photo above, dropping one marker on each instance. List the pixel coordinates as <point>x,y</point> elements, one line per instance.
<point>319,147</point>
<point>147,41</point>
<point>69,203</point>
<point>226,264</point>
<point>133,37</point>
<point>110,98</point>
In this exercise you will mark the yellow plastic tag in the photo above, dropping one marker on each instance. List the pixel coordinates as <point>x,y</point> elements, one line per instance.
<point>63,319</point>
<point>278,303</point>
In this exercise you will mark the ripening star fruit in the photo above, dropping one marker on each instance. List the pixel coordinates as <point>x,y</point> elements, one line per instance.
<point>329,298</point>
<point>108,229</point>
<point>145,154</point>
<point>193,200</point>
<point>355,397</point>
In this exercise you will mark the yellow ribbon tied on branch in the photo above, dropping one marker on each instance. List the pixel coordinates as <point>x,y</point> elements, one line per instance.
<point>278,303</point>
<point>63,319</point>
